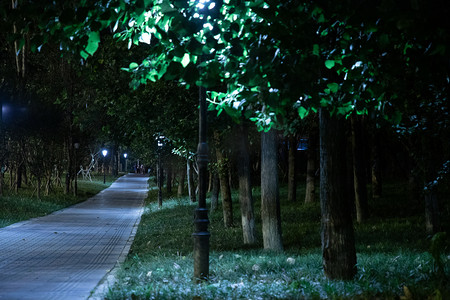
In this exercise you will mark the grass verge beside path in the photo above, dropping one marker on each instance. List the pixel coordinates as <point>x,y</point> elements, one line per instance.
<point>393,258</point>
<point>24,205</point>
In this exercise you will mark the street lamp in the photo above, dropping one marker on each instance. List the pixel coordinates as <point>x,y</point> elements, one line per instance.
<point>126,161</point>
<point>201,234</point>
<point>160,140</point>
<point>104,152</point>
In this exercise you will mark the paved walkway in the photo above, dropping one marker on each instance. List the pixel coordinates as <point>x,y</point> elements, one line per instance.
<point>65,255</point>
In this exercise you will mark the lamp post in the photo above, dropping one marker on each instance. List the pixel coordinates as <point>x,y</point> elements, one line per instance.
<point>126,161</point>
<point>76,146</point>
<point>201,234</point>
<point>160,140</point>
<point>104,152</point>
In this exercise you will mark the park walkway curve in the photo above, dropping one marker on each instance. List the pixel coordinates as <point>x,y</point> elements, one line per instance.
<point>65,255</point>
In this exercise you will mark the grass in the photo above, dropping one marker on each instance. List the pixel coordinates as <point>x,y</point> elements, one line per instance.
<point>393,258</point>
<point>16,207</point>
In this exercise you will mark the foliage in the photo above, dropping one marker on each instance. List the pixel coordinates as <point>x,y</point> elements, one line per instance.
<point>257,51</point>
<point>263,58</point>
<point>438,248</point>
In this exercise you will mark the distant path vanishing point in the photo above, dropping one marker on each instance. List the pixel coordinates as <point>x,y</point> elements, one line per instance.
<point>65,255</point>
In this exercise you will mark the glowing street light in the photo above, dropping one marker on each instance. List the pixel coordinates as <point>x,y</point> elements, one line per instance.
<point>104,152</point>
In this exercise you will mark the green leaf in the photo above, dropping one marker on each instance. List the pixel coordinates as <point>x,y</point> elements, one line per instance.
<point>321,19</point>
<point>334,87</point>
<point>133,65</point>
<point>185,61</point>
<point>256,4</point>
<point>364,111</point>
<point>166,7</point>
<point>407,46</point>
<point>324,102</point>
<point>316,50</point>
<point>345,109</point>
<point>84,54</point>
<point>329,64</point>
<point>302,112</point>
<point>93,41</point>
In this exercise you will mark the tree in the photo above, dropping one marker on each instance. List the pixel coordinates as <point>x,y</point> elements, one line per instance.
<point>359,170</point>
<point>292,174</point>
<point>338,243</point>
<point>223,171</point>
<point>245,185</point>
<point>270,199</point>
<point>311,165</point>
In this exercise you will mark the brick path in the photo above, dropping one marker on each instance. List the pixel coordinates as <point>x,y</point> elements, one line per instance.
<point>65,255</point>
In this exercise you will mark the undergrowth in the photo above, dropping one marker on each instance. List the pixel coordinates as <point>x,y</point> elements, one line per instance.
<point>24,205</point>
<point>394,256</point>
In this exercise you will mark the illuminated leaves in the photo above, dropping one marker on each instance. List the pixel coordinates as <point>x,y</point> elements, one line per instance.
<point>329,64</point>
<point>302,112</point>
<point>251,47</point>
<point>92,46</point>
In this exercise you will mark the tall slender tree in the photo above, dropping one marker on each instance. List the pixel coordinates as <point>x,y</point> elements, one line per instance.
<point>270,198</point>
<point>359,170</point>
<point>225,189</point>
<point>245,185</point>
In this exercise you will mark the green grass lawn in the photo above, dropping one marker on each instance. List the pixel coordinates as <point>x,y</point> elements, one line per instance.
<point>24,205</point>
<point>393,257</point>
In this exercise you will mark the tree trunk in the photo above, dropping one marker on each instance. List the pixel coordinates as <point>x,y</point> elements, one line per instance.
<point>270,200</point>
<point>292,176</point>
<point>48,182</point>
<point>1,181</point>
<point>159,178</point>
<point>116,161</point>
<point>11,177</point>
<point>311,157</point>
<point>245,186</point>
<point>432,220</point>
<point>69,146</point>
<point>215,191</point>
<point>190,179</point>
<point>338,242</point>
<point>39,187</point>
<point>225,189</point>
<point>359,171</point>
<point>376,167</point>
<point>210,181</point>
<point>19,176</point>
<point>181,182</point>
<point>67,184</point>
<point>169,178</point>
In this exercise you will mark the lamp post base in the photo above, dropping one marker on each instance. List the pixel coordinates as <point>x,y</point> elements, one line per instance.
<point>201,245</point>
